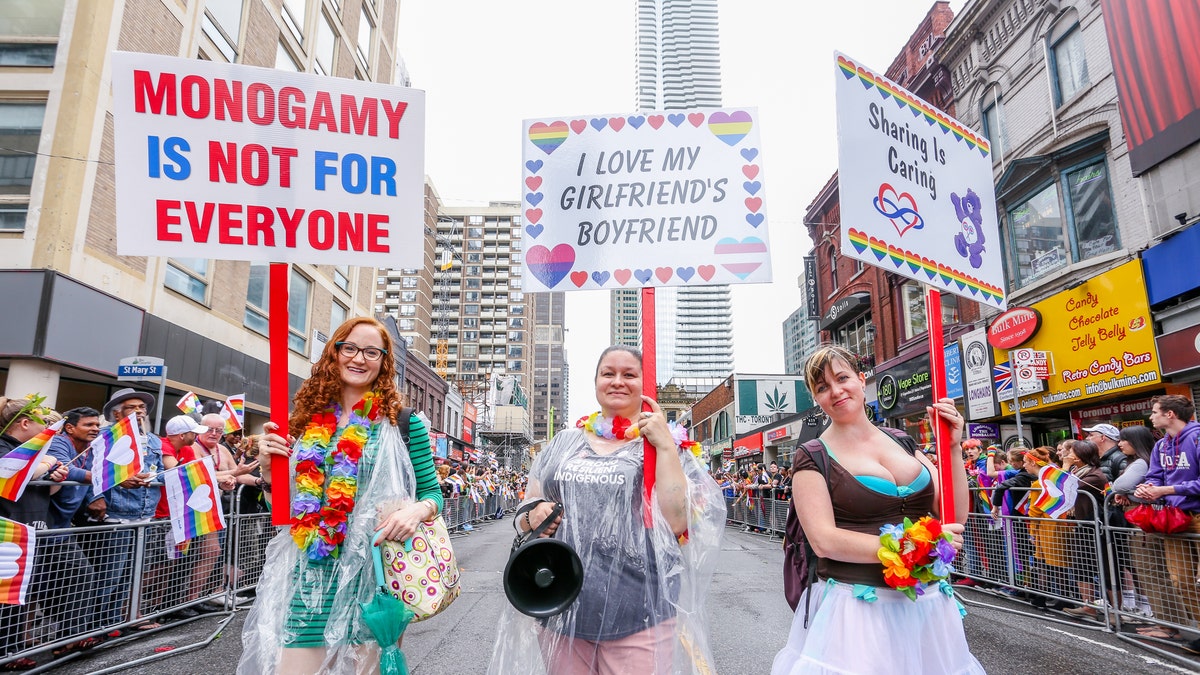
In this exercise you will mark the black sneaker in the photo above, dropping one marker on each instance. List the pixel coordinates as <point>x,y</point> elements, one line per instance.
<point>185,613</point>
<point>1038,601</point>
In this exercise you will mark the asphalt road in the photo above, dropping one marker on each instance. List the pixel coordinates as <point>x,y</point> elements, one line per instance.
<point>749,622</point>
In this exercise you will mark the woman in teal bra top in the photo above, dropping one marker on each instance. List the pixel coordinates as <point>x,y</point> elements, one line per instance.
<point>872,481</point>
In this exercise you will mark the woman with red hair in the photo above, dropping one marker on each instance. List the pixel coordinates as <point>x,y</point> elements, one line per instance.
<point>354,481</point>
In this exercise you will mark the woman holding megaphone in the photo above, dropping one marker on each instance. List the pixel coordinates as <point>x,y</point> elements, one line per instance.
<point>639,609</point>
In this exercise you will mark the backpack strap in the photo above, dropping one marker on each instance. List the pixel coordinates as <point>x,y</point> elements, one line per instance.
<point>815,450</point>
<point>402,422</point>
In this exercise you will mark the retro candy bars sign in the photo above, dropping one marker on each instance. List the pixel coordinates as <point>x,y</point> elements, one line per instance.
<point>655,199</point>
<point>234,162</point>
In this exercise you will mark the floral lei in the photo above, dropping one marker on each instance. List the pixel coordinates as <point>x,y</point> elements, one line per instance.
<point>915,555</point>
<point>621,427</point>
<point>320,510</point>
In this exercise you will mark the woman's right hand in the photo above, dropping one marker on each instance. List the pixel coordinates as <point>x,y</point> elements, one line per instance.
<point>271,444</point>
<point>540,513</point>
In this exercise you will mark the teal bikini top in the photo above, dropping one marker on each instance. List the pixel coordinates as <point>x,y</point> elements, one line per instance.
<point>886,487</point>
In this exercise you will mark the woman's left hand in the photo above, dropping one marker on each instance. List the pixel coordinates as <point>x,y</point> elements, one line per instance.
<point>955,529</point>
<point>401,524</point>
<point>653,425</point>
<point>946,409</point>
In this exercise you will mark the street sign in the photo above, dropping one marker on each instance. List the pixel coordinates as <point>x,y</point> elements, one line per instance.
<point>1038,360</point>
<point>140,368</point>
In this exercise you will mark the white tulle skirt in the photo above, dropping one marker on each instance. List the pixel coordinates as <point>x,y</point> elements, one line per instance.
<point>848,635</point>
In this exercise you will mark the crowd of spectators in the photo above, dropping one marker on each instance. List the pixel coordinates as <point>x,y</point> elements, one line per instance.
<point>83,567</point>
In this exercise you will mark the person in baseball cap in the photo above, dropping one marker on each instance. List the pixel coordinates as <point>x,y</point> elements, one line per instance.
<point>1107,430</point>
<point>184,424</point>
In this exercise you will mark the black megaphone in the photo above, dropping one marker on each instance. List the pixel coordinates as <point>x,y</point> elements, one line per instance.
<point>543,576</point>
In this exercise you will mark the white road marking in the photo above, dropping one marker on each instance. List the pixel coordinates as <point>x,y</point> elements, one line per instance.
<point>1149,660</point>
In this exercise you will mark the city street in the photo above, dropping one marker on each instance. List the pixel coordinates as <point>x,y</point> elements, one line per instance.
<point>749,620</point>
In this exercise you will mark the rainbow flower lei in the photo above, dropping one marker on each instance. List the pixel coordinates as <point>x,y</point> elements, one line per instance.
<point>621,427</point>
<point>320,509</point>
<point>915,555</point>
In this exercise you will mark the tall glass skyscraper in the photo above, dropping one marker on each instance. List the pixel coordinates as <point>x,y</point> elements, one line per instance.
<point>678,67</point>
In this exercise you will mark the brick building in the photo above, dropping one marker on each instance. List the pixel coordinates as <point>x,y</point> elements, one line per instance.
<point>872,312</point>
<point>75,306</point>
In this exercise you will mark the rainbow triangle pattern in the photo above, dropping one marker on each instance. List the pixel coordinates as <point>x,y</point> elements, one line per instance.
<point>889,89</point>
<point>934,271</point>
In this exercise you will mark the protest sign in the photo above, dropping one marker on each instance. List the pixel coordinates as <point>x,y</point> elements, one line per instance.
<point>233,162</point>
<point>915,188</point>
<point>643,200</point>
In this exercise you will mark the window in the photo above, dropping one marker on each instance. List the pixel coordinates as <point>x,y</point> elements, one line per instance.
<point>294,14</point>
<point>471,296</point>
<point>470,351</point>
<point>324,46</point>
<point>257,299</point>
<point>516,351</point>
<point>833,276</point>
<point>474,257</point>
<point>1041,240</point>
<point>1091,210</point>
<point>29,34</point>
<point>475,232</point>
<point>366,31</point>
<point>516,336</point>
<point>516,322</point>
<point>516,258</point>
<point>993,126</point>
<point>912,308</point>
<point>409,282</point>
<point>284,60</point>
<point>471,310</point>
<point>337,316</point>
<point>223,25</point>
<point>475,220</point>
<point>470,336</point>
<point>473,270</point>
<point>1070,66</point>
<point>514,365</point>
<point>408,296</point>
<point>408,324</point>
<point>474,283</point>
<point>470,323</point>
<point>408,310</point>
<point>341,277</point>
<point>517,310</point>
<point>188,276</point>
<point>298,300</point>
<point>20,129</point>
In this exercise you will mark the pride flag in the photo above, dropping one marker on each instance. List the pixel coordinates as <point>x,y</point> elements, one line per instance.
<point>18,466</point>
<point>234,413</point>
<point>193,501</point>
<point>116,454</point>
<point>189,403</point>
<point>16,558</point>
<point>1059,491</point>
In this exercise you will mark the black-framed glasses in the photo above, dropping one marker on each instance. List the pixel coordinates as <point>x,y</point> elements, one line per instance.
<point>350,350</point>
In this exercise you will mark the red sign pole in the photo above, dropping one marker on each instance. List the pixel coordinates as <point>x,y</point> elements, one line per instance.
<point>278,335</point>
<point>937,373</point>
<point>649,388</point>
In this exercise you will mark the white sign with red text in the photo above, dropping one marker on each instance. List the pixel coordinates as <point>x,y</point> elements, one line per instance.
<point>233,162</point>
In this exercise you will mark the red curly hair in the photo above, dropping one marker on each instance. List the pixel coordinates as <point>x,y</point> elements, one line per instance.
<point>324,386</point>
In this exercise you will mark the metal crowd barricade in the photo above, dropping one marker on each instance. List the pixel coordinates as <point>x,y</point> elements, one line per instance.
<point>91,581</point>
<point>1126,575</point>
<point>766,514</point>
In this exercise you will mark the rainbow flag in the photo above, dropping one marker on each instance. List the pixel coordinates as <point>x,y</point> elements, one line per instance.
<point>18,466</point>
<point>189,403</point>
<point>234,413</point>
<point>16,561</point>
<point>192,498</point>
<point>1059,491</point>
<point>116,454</point>
<point>985,496</point>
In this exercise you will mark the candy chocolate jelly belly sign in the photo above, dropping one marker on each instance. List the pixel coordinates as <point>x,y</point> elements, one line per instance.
<point>1100,338</point>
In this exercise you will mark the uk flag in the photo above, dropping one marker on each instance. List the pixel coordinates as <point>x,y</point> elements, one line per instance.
<point>1002,379</point>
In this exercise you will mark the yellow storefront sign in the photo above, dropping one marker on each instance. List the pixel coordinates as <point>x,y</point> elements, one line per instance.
<point>1100,337</point>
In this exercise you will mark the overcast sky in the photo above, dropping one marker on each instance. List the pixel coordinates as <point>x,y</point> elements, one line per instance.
<point>488,64</point>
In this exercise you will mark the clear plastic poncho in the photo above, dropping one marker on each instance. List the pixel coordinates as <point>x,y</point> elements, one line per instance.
<point>291,583</point>
<point>640,587</point>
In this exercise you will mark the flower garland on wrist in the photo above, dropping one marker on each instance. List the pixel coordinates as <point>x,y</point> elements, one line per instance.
<point>619,427</point>
<point>915,555</point>
<point>321,506</point>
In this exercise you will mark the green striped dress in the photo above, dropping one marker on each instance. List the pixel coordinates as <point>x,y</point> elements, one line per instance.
<point>312,603</point>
